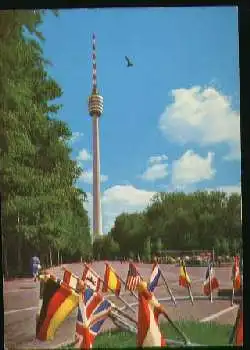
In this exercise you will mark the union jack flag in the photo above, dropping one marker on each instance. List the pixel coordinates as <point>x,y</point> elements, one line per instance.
<point>133,278</point>
<point>93,310</point>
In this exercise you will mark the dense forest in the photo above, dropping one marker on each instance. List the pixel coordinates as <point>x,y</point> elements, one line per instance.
<point>176,221</point>
<point>42,208</point>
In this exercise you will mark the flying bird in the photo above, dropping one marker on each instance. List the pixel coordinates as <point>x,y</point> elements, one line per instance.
<point>130,64</point>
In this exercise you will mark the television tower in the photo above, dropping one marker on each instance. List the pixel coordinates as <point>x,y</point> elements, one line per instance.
<point>95,104</point>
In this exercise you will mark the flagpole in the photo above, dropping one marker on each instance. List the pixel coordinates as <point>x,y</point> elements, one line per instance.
<point>233,279</point>
<point>210,284</point>
<point>118,296</point>
<point>189,288</point>
<point>168,289</point>
<point>123,313</point>
<point>232,299</point>
<point>178,330</point>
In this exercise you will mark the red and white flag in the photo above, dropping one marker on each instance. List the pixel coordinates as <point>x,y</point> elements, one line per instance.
<point>70,279</point>
<point>91,279</point>
<point>148,332</point>
<point>211,282</point>
<point>133,278</point>
<point>236,273</point>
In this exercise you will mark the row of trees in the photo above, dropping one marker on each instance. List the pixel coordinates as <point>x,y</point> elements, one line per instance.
<point>176,221</point>
<point>42,209</point>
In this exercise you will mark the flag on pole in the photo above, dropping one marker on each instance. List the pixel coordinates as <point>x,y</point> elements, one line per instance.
<point>93,310</point>
<point>211,281</point>
<point>111,280</point>
<point>70,279</point>
<point>133,278</point>
<point>184,279</point>
<point>148,332</point>
<point>154,277</point>
<point>236,274</point>
<point>92,280</point>
<point>58,302</point>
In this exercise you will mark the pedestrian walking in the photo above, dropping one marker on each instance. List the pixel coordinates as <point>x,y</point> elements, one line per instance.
<point>36,266</point>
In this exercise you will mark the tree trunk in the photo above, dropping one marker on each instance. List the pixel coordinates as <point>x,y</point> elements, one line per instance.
<point>61,259</point>
<point>19,247</point>
<point>5,256</point>
<point>50,257</point>
<point>58,257</point>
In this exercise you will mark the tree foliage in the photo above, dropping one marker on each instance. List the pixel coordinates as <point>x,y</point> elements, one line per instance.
<point>42,207</point>
<point>178,221</point>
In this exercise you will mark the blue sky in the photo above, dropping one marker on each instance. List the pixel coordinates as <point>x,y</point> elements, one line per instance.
<point>180,101</point>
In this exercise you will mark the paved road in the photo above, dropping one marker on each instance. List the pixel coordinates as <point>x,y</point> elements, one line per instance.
<point>21,300</point>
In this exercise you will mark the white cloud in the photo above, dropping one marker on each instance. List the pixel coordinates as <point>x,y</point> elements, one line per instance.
<point>119,199</point>
<point>155,172</point>
<point>156,169</point>
<point>203,116</point>
<point>75,136</point>
<point>192,168</point>
<point>157,159</point>
<point>84,155</point>
<point>87,177</point>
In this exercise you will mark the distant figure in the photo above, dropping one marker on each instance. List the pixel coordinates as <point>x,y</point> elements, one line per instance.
<point>36,266</point>
<point>129,63</point>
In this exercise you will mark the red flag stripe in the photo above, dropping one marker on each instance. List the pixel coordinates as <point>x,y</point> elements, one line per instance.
<point>56,301</point>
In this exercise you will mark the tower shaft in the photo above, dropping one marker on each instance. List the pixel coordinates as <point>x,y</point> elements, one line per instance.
<point>97,215</point>
<point>95,110</point>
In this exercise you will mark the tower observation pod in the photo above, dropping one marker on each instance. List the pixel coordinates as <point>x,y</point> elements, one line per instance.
<point>95,105</point>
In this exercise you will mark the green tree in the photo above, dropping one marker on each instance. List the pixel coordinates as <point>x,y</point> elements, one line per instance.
<point>43,208</point>
<point>147,249</point>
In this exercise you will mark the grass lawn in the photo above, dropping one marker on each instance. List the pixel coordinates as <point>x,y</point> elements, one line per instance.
<point>200,333</point>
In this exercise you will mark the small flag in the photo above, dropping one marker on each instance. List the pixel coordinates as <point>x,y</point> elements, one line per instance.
<point>58,302</point>
<point>91,280</point>
<point>210,279</point>
<point>154,278</point>
<point>236,274</point>
<point>93,310</point>
<point>148,333</point>
<point>111,281</point>
<point>133,278</point>
<point>184,279</point>
<point>71,280</point>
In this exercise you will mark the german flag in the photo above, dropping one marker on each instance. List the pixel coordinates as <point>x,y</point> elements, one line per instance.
<point>184,279</point>
<point>111,280</point>
<point>58,302</point>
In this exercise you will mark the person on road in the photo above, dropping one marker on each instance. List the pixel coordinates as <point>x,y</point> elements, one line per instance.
<point>36,266</point>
